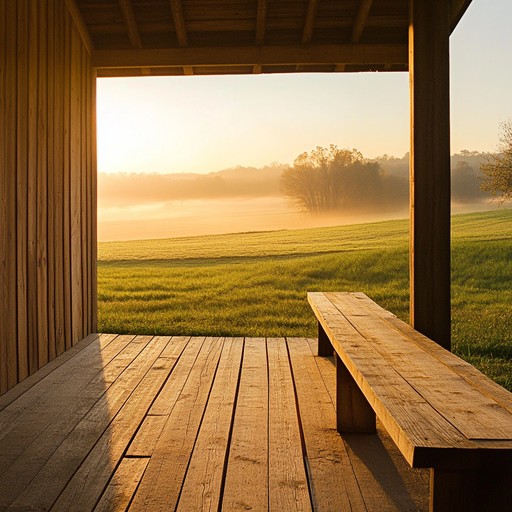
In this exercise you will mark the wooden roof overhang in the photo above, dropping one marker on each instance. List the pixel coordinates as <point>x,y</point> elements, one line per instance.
<point>205,37</point>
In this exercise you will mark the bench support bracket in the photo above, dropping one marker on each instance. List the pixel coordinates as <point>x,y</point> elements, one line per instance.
<point>353,412</point>
<point>324,343</point>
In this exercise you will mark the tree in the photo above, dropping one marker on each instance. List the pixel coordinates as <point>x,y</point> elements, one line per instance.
<point>328,179</point>
<point>497,171</point>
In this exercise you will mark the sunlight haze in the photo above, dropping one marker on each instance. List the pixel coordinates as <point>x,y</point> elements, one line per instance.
<point>204,124</point>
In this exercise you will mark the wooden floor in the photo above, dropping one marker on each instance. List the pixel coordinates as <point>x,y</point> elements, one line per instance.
<point>159,424</point>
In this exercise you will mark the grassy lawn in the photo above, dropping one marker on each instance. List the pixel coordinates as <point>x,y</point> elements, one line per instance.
<point>254,284</point>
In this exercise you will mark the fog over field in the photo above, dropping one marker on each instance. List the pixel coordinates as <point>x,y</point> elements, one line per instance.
<point>145,205</point>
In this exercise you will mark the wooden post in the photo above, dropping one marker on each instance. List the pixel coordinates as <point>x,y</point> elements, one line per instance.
<point>353,412</point>
<point>429,30</point>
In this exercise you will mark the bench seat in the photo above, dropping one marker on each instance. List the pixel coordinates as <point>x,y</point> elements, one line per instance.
<point>440,411</point>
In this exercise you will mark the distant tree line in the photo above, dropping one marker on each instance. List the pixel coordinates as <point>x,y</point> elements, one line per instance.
<point>323,180</point>
<point>332,179</point>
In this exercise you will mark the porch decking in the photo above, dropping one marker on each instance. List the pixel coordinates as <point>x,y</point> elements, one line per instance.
<point>161,423</point>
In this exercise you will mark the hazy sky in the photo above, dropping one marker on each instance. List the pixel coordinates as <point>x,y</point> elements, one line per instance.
<point>203,124</point>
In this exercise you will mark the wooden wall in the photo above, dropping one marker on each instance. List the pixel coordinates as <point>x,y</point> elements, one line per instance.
<point>47,187</point>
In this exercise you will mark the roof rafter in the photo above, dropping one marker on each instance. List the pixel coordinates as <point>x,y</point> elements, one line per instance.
<point>76,15</point>
<point>178,19</point>
<point>457,10</point>
<point>361,54</point>
<point>179,22</point>
<point>309,23</point>
<point>129,18</point>
<point>261,17</point>
<point>361,18</point>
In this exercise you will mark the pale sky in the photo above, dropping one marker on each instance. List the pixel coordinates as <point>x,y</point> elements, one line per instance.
<point>204,124</point>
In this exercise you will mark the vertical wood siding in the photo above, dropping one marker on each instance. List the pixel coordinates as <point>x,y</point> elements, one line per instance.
<point>47,187</point>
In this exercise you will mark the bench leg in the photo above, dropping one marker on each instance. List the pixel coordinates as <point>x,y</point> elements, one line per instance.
<point>353,412</point>
<point>324,344</point>
<point>485,490</point>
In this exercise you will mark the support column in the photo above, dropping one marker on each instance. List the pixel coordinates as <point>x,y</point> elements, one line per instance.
<point>429,31</point>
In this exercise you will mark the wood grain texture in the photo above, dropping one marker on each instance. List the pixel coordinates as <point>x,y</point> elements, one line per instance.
<point>435,416</point>
<point>81,436</point>
<point>333,484</point>
<point>206,468</point>
<point>288,485</point>
<point>246,483</point>
<point>429,72</point>
<point>168,465</point>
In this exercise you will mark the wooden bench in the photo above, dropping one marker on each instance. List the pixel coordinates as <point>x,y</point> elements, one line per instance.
<point>440,411</point>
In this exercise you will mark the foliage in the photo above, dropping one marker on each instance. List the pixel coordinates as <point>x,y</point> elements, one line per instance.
<point>328,179</point>
<point>254,284</point>
<point>497,170</point>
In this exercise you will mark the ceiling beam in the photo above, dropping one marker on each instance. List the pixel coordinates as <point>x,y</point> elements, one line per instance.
<point>362,54</point>
<point>129,18</point>
<point>361,18</point>
<point>76,15</point>
<point>309,23</point>
<point>179,22</point>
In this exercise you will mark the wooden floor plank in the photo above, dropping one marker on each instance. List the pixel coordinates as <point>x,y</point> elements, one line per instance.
<point>37,409</point>
<point>246,484</point>
<point>23,387</point>
<point>332,479</point>
<point>146,438</point>
<point>234,421</point>
<point>384,477</point>
<point>203,484</point>
<point>121,488</point>
<point>160,487</point>
<point>288,485</point>
<point>93,448</point>
<point>166,399</point>
<point>50,437</point>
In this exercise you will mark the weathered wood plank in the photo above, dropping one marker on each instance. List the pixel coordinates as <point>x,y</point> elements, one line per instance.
<point>122,486</point>
<point>467,371</point>
<point>76,190</point>
<point>475,415</point>
<point>42,187</point>
<point>22,421</point>
<point>21,388</point>
<point>167,398</point>
<point>67,291</point>
<point>22,190</point>
<point>3,198</point>
<point>90,400</point>
<point>206,468</point>
<point>51,238</point>
<point>394,403</point>
<point>246,483</point>
<point>105,430</point>
<point>288,485</point>
<point>32,189</point>
<point>58,162</point>
<point>160,487</point>
<point>333,484</point>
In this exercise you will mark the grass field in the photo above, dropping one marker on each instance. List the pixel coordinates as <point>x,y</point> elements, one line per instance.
<point>254,284</point>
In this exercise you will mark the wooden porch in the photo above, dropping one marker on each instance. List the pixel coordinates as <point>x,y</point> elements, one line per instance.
<point>161,423</point>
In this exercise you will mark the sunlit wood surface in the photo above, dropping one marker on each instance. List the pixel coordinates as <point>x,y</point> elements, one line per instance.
<point>161,423</point>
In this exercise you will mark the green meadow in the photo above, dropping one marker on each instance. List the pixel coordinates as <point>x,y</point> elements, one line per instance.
<point>254,284</point>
